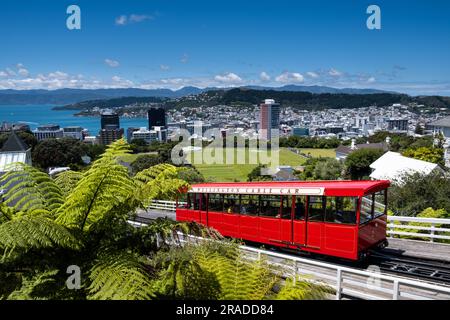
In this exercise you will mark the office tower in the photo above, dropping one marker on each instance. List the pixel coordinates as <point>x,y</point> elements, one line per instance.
<point>156,118</point>
<point>110,120</point>
<point>269,118</point>
<point>111,130</point>
<point>107,136</point>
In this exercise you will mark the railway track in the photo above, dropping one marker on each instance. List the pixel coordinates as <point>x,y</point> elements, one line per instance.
<point>437,272</point>
<point>424,269</point>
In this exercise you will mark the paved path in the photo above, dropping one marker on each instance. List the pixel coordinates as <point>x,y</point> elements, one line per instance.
<point>419,249</point>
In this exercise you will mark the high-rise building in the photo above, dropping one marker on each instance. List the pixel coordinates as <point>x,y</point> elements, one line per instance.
<point>111,130</point>
<point>156,118</point>
<point>269,118</point>
<point>110,120</point>
<point>107,136</point>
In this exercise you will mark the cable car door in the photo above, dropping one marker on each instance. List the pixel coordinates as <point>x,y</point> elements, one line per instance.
<point>196,214</point>
<point>299,222</point>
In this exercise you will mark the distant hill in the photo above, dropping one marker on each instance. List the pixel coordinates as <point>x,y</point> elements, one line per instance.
<point>69,96</point>
<point>110,103</point>
<point>319,89</point>
<point>247,96</point>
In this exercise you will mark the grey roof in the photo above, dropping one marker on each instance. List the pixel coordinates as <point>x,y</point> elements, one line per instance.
<point>14,143</point>
<point>444,122</point>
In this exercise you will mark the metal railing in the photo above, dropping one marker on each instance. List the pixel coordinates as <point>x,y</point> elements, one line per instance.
<point>432,228</point>
<point>163,205</point>
<point>345,281</point>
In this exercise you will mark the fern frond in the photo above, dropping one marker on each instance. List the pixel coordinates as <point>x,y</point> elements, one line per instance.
<point>32,284</point>
<point>119,276</point>
<point>26,232</point>
<point>159,182</point>
<point>67,180</point>
<point>239,278</point>
<point>303,290</point>
<point>28,190</point>
<point>104,186</point>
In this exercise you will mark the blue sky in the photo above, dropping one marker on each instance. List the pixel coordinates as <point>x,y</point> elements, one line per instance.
<point>171,44</point>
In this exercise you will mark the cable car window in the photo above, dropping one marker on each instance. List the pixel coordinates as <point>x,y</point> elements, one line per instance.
<point>341,210</point>
<point>249,204</point>
<point>270,206</point>
<point>299,210</point>
<point>286,209</point>
<point>215,202</point>
<point>203,202</point>
<point>316,209</point>
<point>231,203</point>
<point>196,200</point>
<point>182,201</point>
<point>190,201</point>
<point>366,212</point>
<point>380,203</point>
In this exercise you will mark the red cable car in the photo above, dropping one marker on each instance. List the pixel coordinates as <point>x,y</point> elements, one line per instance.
<point>337,218</point>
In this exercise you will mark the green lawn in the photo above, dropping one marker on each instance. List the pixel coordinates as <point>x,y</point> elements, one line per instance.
<point>316,153</point>
<point>239,172</point>
<point>129,158</point>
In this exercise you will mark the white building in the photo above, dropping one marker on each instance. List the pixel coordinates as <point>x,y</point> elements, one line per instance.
<point>147,135</point>
<point>14,150</point>
<point>392,166</point>
<point>73,132</point>
<point>50,131</point>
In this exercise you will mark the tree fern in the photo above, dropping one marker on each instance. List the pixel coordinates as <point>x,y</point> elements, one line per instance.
<point>302,290</point>
<point>159,182</point>
<point>25,232</point>
<point>67,180</point>
<point>105,185</point>
<point>30,190</point>
<point>119,276</point>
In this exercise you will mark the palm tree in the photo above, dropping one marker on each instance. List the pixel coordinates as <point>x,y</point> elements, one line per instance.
<point>81,219</point>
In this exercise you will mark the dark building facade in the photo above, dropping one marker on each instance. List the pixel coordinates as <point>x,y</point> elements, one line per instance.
<point>107,136</point>
<point>110,121</point>
<point>156,118</point>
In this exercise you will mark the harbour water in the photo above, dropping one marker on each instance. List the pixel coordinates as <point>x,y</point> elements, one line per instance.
<point>36,115</point>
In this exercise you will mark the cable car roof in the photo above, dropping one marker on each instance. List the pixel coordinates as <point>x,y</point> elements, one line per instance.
<point>313,188</point>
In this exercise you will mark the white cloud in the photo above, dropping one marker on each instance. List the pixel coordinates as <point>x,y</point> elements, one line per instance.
<point>184,58</point>
<point>112,63</point>
<point>290,77</point>
<point>23,72</point>
<point>58,75</point>
<point>10,72</point>
<point>122,20</point>
<point>132,18</point>
<point>371,80</point>
<point>312,74</point>
<point>139,17</point>
<point>264,76</point>
<point>164,67</point>
<point>229,77</point>
<point>3,74</point>
<point>334,73</point>
<point>119,82</point>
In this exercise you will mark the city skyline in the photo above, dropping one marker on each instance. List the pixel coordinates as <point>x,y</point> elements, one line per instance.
<point>225,44</point>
